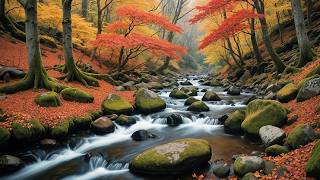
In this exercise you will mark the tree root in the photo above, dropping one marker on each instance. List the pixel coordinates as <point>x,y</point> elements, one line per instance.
<point>80,76</point>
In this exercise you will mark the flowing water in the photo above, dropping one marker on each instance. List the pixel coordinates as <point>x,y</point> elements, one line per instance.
<point>107,157</point>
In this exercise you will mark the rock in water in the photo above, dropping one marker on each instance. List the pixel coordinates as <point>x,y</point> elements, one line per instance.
<point>9,163</point>
<point>115,104</point>
<point>233,90</point>
<point>190,100</point>
<point>260,113</point>
<point>123,120</point>
<point>142,135</point>
<point>177,157</point>
<point>300,136</point>
<point>174,120</point>
<point>148,102</point>
<point>102,125</point>
<point>313,164</point>
<point>246,164</point>
<point>178,94</point>
<point>271,135</point>
<point>233,122</point>
<point>211,96</point>
<point>198,106</point>
<point>309,90</point>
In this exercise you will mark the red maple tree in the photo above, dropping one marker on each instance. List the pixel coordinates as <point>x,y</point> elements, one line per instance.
<point>122,37</point>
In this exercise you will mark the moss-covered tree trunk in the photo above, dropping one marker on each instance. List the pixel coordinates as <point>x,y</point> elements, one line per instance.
<point>73,73</point>
<point>37,76</point>
<point>279,65</point>
<point>306,54</point>
<point>254,43</point>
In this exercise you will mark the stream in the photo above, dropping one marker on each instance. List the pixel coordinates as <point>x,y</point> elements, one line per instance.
<point>91,156</point>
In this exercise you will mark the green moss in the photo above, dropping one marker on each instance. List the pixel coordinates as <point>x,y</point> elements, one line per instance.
<point>291,70</point>
<point>178,94</point>
<point>61,131</point>
<point>184,154</point>
<point>148,102</point>
<point>198,106</point>
<point>287,93</point>
<point>116,105</point>
<point>30,132</point>
<point>313,165</point>
<point>215,82</point>
<point>190,100</point>
<point>74,94</point>
<point>243,165</point>
<point>211,96</point>
<point>48,99</point>
<point>83,122</point>
<point>260,113</point>
<point>4,135</point>
<point>234,121</point>
<point>276,150</point>
<point>300,135</point>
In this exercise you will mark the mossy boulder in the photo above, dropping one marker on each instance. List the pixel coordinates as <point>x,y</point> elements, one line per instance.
<point>155,85</point>
<point>309,90</point>
<point>313,165</point>
<point>177,157</point>
<point>215,83</point>
<point>62,130</point>
<point>276,150</point>
<point>124,120</point>
<point>178,94</point>
<point>233,123</point>
<point>211,96</point>
<point>4,135</point>
<point>249,176</point>
<point>198,106</point>
<point>75,94</point>
<point>115,104</point>
<point>300,136</point>
<point>190,100</point>
<point>287,93</point>
<point>29,132</point>
<point>305,80</point>
<point>246,164</point>
<point>148,102</point>
<point>260,113</point>
<point>48,99</point>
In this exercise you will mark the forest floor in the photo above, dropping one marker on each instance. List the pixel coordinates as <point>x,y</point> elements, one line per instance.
<point>21,104</point>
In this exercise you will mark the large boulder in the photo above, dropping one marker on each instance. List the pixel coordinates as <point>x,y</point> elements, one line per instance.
<point>4,135</point>
<point>142,135</point>
<point>234,91</point>
<point>309,90</point>
<point>233,123</point>
<point>124,120</point>
<point>9,164</point>
<point>271,135</point>
<point>178,94</point>
<point>48,99</point>
<point>174,120</point>
<point>287,93</point>
<point>276,150</point>
<point>177,157</point>
<point>198,106</point>
<point>246,164</point>
<point>215,83</point>
<point>313,165</point>
<point>260,113</point>
<point>115,104</point>
<point>75,94</point>
<point>62,130</point>
<point>102,125</point>
<point>300,136</point>
<point>29,132</point>
<point>190,100</point>
<point>148,102</point>
<point>211,96</point>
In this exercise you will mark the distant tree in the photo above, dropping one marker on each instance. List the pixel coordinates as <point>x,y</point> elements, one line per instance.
<point>306,53</point>
<point>123,37</point>
<point>84,8</point>
<point>37,76</point>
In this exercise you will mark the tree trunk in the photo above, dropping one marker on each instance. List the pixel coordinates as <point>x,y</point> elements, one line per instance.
<point>73,73</point>
<point>37,76</point>
<point>166,63</point>
<point>309,5</point>
<point>254,43</point>
<point>84,8</point>
<point>306,54</point>
<point>279,65</point>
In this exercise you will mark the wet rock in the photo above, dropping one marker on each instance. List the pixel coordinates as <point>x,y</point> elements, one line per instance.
<point>271,96</point>
<point>174,120</point>
<point>221,170</point>
<point>102,126</point>
<point>75,94</point>
<point>115,104</point>
<point>248,100</point>
<point>112,117</point>
<point>190,100</point>
<point>260,113</point>
<point>198,106</point>
<point>211,96</point>
<point>9,164</point>
<point>246,164</point>
<point>31,133</point>
<point>178,94</point>
<point>48,143</point>
<point>148,102</point>
<point>313,165</point>
<point>48,99</point>
<point>276,150</point>
<point>186,83</point>
<point>287,93</point>
<point>204,90</point>
<point>233,123</point>
<point>309,90</point>
<point>172,158</point>
<point>124,120</point>
<point>142,135</point>
<point>201,116</point>
<point>223,118</point>
<point>300,136</point>
<point>234,91</point>
<point>271,135</point>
